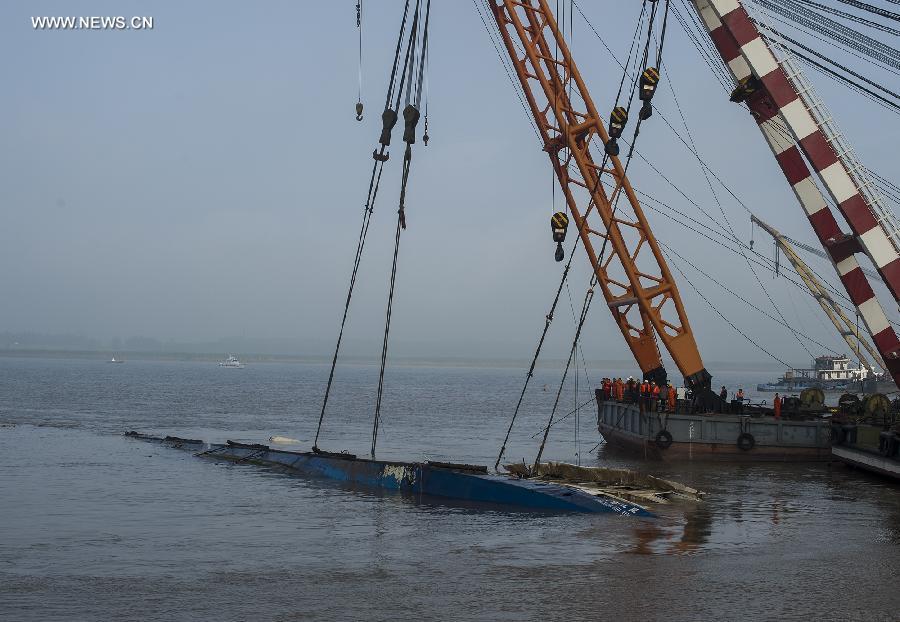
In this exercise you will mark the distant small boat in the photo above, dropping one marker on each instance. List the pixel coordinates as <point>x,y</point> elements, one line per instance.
<point>115,360</point>
<point>231,361</point>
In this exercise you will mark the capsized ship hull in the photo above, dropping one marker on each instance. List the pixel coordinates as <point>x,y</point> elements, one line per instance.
<point>453,481</point>
<point>712,436</point>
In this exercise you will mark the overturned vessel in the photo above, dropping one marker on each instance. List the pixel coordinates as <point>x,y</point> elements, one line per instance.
<point>463,482</point>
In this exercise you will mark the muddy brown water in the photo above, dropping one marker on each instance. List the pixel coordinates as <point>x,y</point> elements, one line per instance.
<point>94,526</point>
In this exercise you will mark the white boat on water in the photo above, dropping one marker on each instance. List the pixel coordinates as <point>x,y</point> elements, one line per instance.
<point>115,360</point>
<point>231,361</point>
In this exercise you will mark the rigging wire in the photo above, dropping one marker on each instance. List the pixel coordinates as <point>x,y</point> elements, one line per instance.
<point>505,62</point>
<point>730,229</point>
<point>704,212</point>
<point>693,150</point>
<point>359,102</point>
<point>890,105</point>
<point>548,319</point>
<point>850,16</point>
<point>584,311</point>
<point>873,9</point>
<point>549,316</point>
<point>749,303</point>
<point>832,29</point>
<point>414,64</point>
<point>721,315</point>
<point>853,50</point>
<point>620,182</point>
<point>368,209</point>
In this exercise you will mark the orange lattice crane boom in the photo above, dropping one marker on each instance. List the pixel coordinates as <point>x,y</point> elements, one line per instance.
<point>629,266</point>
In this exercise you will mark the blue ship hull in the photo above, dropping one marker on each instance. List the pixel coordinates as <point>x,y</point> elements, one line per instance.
<point>462,482</point>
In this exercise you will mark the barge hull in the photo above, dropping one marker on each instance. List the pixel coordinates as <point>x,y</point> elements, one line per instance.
<point>868,461</point>
<point>711,437</point>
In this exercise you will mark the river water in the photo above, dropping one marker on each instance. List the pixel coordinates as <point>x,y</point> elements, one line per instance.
<point>94,526</point>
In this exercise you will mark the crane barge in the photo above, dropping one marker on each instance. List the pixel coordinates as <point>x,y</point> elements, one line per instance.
<point>635,279</point>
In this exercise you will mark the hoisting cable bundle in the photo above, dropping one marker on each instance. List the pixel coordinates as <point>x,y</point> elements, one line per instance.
<point>646,84</point>
<point>359,103</point>
<point>413,76</point>
<point>586,305</point>
<point>381,155</point>
<point>548,319</point>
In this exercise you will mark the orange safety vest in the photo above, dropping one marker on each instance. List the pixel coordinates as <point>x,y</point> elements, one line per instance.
<point>776,404</point>
<point>656,391</point>
<point>645,388</point>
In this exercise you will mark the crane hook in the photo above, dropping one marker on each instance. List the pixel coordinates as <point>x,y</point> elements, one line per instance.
<point>559,222</point>
<point>359,111</point>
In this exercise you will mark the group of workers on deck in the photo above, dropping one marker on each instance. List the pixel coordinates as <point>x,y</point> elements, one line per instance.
<point>653,397</point>
<point>650,396</point>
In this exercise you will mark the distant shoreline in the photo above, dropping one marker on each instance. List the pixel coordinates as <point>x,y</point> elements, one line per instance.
<point>206,357</point>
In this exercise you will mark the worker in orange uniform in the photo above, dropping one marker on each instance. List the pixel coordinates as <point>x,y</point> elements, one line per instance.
<point>645,396</point>
<point>654,388</point>
<point>673,398</point>
<point>776,406</point>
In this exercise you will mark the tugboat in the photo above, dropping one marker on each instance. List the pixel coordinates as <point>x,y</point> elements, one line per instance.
<point>231,361</point>
<point>832,374</point>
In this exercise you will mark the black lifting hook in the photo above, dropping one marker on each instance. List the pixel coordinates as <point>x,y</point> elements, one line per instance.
<point>388,121</point>
<point>649,81</point>
<point>559,222</point>
<point>617,121</point>
<point>410,120</point>
<point>359,111</point>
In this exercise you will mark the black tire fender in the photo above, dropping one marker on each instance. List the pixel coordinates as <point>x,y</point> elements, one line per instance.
<point>663,439</point>
<point>745,441</point>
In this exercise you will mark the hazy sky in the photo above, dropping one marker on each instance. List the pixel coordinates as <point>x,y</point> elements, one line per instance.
<point>206,179</point>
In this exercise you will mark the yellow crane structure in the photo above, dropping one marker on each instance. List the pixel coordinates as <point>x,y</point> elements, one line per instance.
<point>845,327</point>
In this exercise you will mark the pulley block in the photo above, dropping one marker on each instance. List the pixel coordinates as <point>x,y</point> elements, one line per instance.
<point>745,88</point>
<point>388,121</point>
<point>649,81</point>
<point>617,121</point>
<point>410,120</point>
<point>559,223</point>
